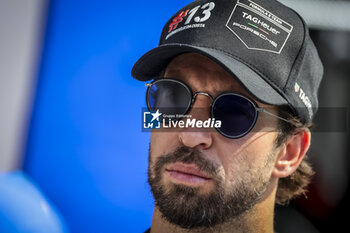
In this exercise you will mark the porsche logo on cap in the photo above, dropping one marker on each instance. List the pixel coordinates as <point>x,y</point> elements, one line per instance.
<point>258,28</point>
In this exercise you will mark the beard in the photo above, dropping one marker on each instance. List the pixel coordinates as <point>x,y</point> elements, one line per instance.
<point>187,207</point>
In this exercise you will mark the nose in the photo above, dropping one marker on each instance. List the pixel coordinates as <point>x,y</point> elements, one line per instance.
<point>198,137</point>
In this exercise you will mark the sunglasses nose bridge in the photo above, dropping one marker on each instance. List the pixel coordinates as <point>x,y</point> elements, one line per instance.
<point>200,109</point>
<point>202,93</point>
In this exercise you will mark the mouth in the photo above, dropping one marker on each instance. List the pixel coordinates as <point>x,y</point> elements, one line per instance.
<point>188,174</point>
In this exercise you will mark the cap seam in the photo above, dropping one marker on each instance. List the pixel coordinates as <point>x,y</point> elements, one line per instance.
<point>298,55</point>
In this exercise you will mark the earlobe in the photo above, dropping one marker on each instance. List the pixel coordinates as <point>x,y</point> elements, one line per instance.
<point>292,153</point>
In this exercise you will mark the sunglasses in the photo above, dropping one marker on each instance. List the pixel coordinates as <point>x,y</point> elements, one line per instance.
<point>237,113</point>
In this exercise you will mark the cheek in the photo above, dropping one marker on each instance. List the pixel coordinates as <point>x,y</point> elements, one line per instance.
<point>258,145</point>
<point>246,155</point>
<point>163,143</point>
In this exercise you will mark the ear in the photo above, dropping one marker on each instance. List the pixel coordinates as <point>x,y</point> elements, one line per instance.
<point>292,153</point>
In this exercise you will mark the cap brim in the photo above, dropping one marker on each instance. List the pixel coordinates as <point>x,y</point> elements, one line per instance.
<point>152,63</point>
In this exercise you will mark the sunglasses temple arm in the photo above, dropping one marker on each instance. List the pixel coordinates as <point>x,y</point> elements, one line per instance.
<point>271,114</point>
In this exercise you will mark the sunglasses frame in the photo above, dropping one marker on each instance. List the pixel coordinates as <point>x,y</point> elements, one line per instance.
<point>213,101</point>
<point>257,110</point>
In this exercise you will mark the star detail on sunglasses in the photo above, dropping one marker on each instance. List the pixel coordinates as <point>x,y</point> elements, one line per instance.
<point>156,115</point>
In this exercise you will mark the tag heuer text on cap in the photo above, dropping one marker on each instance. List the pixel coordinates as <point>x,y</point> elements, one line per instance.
<point>262,43</point>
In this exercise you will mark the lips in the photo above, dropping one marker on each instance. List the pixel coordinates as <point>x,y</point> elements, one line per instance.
<point>187,173</point>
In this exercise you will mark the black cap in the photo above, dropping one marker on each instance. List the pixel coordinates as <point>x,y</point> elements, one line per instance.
<point>263,43</point>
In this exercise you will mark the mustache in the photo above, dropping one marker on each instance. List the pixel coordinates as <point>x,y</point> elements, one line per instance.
<point>187,155</point>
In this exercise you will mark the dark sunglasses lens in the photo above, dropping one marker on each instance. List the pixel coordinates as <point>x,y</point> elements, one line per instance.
<point>170,97</point>
<point>236,113</point>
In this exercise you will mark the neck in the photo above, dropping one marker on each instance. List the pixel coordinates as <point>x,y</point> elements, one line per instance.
<point>258,219</point>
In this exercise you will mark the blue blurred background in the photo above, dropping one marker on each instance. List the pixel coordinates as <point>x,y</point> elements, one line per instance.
<point>80,137</point>
<point>85,147</point>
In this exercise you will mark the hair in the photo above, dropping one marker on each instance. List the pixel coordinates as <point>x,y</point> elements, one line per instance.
<point>295,184</point>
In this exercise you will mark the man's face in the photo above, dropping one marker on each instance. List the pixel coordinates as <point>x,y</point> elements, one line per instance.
<point>199,177</point>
